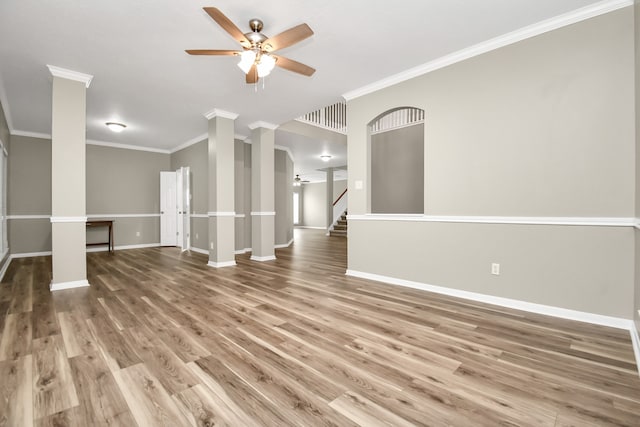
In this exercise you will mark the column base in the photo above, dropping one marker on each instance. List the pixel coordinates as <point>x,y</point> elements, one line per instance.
<point>221,264</point>
<point>262,258</point>
<point>68,285</point>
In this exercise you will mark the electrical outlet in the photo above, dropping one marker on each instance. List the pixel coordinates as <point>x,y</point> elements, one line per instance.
<point>137,234</point>
<point>211,245</point>
<point>495,269</point>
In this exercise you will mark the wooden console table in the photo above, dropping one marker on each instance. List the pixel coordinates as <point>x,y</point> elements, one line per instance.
<point>103,223</point>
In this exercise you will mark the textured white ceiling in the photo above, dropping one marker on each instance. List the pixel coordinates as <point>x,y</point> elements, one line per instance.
<point>143,77</point>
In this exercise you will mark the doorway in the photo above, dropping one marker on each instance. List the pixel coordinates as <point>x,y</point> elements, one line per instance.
<point>175,206</point>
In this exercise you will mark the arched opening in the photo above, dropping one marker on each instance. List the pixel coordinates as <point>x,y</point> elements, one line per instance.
<point>396,161</point>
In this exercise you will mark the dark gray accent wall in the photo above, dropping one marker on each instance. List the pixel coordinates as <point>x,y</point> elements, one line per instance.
<point>397,171</point>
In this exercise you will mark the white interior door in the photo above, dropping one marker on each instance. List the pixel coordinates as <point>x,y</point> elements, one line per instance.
<point>168,209</point>
<point>186,207</point>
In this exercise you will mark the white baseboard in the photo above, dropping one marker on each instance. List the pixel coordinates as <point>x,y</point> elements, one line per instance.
<point>221,264</point>
<point>597,319</point>
<point>284,245</point>
<point>635,341</point>
<point>200,251</point>
<point>124,247</point>
<point>311,227</point>
<point>68,285</point>
<point>31,254</point>
<point>262,258</point>
<point>5,266</point>
<point>241,251</point>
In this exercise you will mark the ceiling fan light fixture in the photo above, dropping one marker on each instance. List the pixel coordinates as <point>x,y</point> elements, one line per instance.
<point>115,127</point>
<point>297,181</point>
<point>325,157</point>
<point>247,59</point>
<point>266,64</point>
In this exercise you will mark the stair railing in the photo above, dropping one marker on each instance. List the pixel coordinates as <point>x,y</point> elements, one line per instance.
<point>339,206</point>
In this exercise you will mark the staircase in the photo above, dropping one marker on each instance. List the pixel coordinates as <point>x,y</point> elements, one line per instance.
<point>340,226</point>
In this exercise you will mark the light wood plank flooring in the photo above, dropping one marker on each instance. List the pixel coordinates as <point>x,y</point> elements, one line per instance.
<point>160,339</point>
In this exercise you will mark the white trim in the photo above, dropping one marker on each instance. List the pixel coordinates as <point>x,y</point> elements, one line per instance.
<point>240,251</point>
<point>310,227</point>
<point>70,75</point>
<point>538,220</point>
<point>248,250</point>
<point>5,266</point>
<point>199,215</point>
<point>263,213</point>
<point>127,146</point>
<point>220,113</point>
<point>637,223</point>
<point>262,258</point>
<point>189,143</point>
<point>635,342</point>
<point>28,216</point>
<point>216,214</point>
<point>4,102</point>
<point>283,148</point>
<point>240,137</point>
<point>38,135</point>
<point>597,319</point>
<point>147,215</point>
<point>240,215</point>
<point>68,285</point>
<point>284,245</point>
<point>261,124</point>
<point>30,254</point>
<point>55,219</point>
<point>221,264</point>
<point>533,30</point>
<point>199,251</point>
<point>125,247</point>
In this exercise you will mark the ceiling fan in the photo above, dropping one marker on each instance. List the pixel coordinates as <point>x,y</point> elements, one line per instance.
<point>257,58</point>
<point>297,182</point>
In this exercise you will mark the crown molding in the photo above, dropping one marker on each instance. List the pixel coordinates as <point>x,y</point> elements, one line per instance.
<point>70,74</point>
<point>17,132</point>
<point>240,137</point>
<point>542,27</point>
<point>220,113</point>
<point>126,146</point>
<point>280,147</point>
<point>261,124</point>
<point>190,142</point>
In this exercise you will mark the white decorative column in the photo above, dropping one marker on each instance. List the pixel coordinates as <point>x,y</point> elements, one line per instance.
<point>262,191</point>
<point>221,213</point>
<point>68,178</point>
<point>329,199</point>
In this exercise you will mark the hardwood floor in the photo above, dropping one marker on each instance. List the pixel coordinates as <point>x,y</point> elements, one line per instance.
<point>162,339</point>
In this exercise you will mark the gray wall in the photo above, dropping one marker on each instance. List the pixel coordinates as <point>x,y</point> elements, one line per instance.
<point>119,182</point>
<point>5,137</point>
<point>397,170</point>
<point>636,311</point>
<point>283,186</point>
<point>314,202</point>
<point>29,193</point>
<point>543,127</point>
<point>196,158</point>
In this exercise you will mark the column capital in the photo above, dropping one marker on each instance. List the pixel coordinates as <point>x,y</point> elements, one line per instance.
<point>260,124</point>
<point>70,75</point>
<point>220,113</point>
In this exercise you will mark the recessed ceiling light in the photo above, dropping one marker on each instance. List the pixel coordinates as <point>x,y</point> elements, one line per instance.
<point>116,127</point>
<point>325,157</point>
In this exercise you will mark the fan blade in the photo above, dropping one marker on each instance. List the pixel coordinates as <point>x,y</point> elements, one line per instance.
<point>252,75</point>
<point>295,66</point>
<point>227,25</point>
<point>287,38</point>
<point>212,52</point>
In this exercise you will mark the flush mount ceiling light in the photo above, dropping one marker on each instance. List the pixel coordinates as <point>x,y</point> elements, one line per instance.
<point>325,157</point>
<point>116,127</point>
